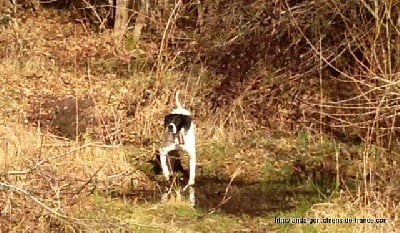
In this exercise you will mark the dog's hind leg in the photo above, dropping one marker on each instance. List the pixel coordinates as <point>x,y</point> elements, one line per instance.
<point>190,147</point>
<point>192,165</point>
<point>192,195</point>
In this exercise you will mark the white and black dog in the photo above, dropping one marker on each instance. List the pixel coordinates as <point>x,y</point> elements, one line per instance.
<point>180,133</point>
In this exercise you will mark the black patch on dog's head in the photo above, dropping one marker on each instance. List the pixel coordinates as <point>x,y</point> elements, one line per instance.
<point>179,120</point>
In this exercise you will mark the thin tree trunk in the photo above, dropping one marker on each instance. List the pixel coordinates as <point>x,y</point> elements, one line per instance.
<point>140,21</point>
<point>121,16</point>
<point>200,19</point>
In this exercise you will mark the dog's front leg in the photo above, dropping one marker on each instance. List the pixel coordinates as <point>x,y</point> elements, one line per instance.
<point>163,159</point>
<point>164,166</point>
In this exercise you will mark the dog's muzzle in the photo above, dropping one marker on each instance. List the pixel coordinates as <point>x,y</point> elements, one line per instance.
<point>171,128</point>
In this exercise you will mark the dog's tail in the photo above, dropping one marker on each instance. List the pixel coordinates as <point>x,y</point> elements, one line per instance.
<point>178,104</point>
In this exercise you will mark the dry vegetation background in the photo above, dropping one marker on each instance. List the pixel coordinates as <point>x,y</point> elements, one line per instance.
<point>76,85</point>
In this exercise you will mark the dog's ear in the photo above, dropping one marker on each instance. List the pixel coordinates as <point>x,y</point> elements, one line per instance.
<point>168,119</point>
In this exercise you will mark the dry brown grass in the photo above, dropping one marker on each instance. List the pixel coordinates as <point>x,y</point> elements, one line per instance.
<point>42,176</point>
<point>351,207</point>
<point>46,179</point>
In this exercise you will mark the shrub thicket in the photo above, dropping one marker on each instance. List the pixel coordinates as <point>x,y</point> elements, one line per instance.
<point>329,66</point>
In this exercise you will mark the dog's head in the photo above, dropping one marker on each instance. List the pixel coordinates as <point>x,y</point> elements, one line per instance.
<point>179,119</point>
<point>174,123</point>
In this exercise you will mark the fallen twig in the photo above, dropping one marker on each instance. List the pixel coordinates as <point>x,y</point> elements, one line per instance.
<point>226,198</point>
<point>88,181</point>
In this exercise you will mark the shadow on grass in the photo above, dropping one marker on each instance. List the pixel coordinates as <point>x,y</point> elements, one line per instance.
<point>253,199</point>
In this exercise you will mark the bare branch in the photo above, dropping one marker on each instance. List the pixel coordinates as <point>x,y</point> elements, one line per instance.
<point>37,165</point>
<point>37,201</point>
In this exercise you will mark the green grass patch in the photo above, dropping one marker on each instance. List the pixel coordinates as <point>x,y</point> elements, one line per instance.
<point>114,215</point>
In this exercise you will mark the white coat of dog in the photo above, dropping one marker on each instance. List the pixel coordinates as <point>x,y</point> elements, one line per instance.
<point>180,133</point>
